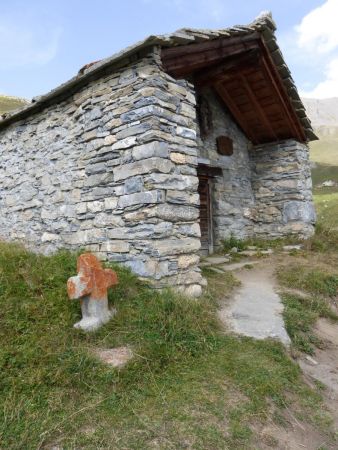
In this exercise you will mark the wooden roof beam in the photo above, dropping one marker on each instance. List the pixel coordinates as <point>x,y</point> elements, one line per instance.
<point>219,72</point>
<point>257,106</point>
<point>237,114</point>
<point>188,61</point>
<point>173,52</point>
<point>270,71</point>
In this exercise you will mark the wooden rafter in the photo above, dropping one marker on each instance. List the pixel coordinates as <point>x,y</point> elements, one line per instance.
<point>271,72</point>
<point>258,107</point>
<point>225,42</point>
<point>244,75</point>
<point>186,59</point>
<point>220,72</point>
<point>235,111</point>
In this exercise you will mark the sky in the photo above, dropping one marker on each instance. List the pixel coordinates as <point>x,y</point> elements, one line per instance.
<point>43,43</point>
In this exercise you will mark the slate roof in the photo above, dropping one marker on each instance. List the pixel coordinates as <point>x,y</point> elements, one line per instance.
<point>263,24</point>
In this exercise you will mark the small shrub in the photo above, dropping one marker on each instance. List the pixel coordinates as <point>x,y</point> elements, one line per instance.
<point>232,242</point>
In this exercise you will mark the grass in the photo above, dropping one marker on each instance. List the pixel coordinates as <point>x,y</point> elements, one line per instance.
<point>320,286</point>
<point>324,172</point>
<point>190,384</point>
<point>261,244</point>
<point>300,315</point>
<point>8,103</point>
<point>325,150</point>
<point>309,279</point>
<point>313,272</point>
<point>325,154</point>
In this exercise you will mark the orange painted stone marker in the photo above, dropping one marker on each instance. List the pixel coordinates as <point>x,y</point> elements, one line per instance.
<point>90,286</point>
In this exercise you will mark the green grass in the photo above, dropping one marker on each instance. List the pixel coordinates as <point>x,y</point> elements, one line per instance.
<point>190,385</point>
<point>325,150</point>
<point>324,172</point>
<point>261,244</point>
<point>315,273</point>
<point>309,279</point>
<point>325,154</point>
<point>326,238</point>
<point>8,103</point>
<point>300,315</point>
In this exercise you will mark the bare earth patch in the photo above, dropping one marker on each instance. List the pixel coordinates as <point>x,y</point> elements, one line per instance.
<point>326,369</point>
<point>115,357</point>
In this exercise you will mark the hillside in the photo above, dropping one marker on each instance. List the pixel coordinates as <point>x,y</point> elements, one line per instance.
<point>8,103</point>
<point>324,153</point>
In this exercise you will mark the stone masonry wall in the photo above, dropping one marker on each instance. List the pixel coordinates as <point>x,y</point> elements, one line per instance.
<point>264,191</point>
<point>232,195</point>
<point>283,190</point>
<point>111,169</point>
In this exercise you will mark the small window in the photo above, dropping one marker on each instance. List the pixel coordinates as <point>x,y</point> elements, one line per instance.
<point>224,145</point>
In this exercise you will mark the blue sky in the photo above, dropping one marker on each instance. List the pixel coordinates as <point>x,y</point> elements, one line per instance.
<point>44,43</point>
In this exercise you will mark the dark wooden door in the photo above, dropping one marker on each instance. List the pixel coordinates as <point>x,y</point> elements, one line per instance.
<point>205,215</point>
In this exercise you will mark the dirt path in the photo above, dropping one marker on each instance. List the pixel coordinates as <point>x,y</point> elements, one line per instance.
<point>323,366</point>
<point>256,311</point>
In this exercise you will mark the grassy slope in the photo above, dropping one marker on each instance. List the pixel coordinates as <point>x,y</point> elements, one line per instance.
<point>315,273</point>
<point>325,154</point>
<point>10,103</point>
<point>190,385</point>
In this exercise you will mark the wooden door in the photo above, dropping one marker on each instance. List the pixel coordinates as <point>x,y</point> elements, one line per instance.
<point>205,215</point>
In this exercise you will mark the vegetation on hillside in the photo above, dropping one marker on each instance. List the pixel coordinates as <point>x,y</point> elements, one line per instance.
<point>313,274</point>
<point>324,154</point>
<point>8,103</point>
<point>190,385</point>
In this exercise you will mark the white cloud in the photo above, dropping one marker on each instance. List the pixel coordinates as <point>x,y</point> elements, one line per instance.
<point>317,41</point>
<point>22,46</point>
<point>329,86</point>
<point>318,30</point>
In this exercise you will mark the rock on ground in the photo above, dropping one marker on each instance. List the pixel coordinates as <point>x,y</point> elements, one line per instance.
<point>256,309</point>
<point>116,357</point>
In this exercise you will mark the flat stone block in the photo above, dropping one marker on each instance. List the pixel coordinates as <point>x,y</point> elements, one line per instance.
<point>217,270</point>
<point>216,260</point>
<point>248,253</point>
<point>237,266</point>
<point>288,248</point>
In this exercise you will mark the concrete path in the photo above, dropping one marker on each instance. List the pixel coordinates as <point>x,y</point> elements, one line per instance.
<point>256,309</point>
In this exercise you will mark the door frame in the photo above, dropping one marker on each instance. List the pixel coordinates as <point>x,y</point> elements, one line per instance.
<point>207,173</point>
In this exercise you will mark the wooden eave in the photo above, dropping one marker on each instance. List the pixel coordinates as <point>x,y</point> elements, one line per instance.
<point>242,72</point>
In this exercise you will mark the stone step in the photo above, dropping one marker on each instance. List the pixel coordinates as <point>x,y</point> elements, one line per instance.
<point>237,266</point>
<point>215,260</point>
<point>216,269</point>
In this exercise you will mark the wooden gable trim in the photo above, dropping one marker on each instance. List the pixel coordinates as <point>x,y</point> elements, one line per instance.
<point>185,59</point>
<point>271,71</point>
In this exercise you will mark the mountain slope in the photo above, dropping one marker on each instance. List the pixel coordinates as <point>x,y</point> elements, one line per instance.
<point>324,153</point>
<point>8,103</point>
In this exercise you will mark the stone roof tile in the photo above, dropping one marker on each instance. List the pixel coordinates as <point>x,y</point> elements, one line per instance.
<point>263,24</point>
